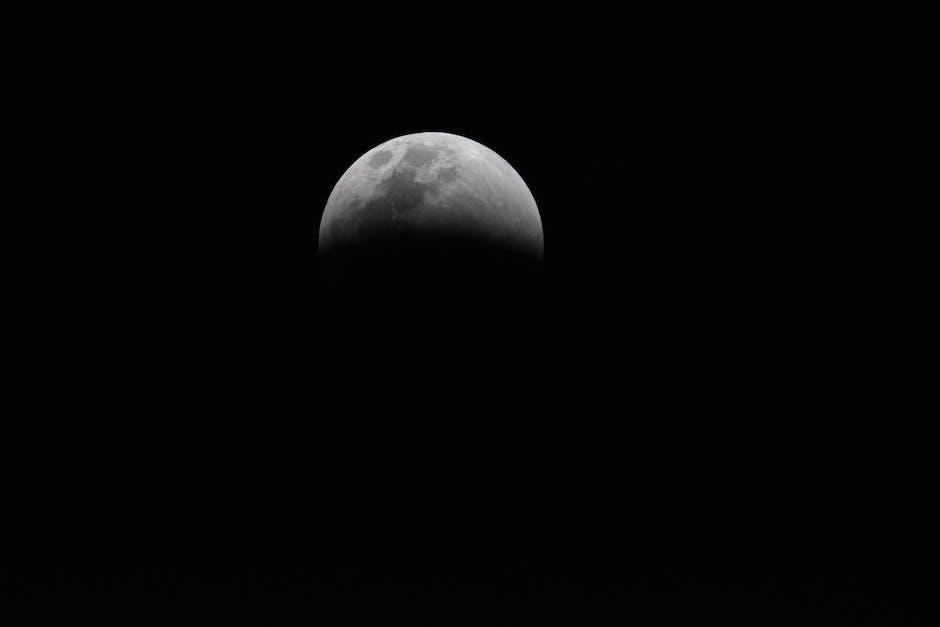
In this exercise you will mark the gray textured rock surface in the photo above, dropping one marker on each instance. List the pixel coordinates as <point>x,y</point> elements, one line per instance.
<point>427,186</point>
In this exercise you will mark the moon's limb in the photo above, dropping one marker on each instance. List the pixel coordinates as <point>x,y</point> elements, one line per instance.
<point>431,184</point>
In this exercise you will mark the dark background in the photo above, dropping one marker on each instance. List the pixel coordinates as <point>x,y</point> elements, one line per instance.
<point>671,423</point>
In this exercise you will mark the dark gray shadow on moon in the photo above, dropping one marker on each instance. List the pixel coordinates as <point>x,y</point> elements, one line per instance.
<point>442,263</point>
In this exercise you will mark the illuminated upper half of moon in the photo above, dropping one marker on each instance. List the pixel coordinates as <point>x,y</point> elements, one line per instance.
<point>430,184</point>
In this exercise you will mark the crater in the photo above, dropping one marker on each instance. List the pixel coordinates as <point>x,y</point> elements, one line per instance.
<point>380,158</point>
<point>447,175</point>
<point>397,197</point>
<point>402,192</point>
<point>419,155</point>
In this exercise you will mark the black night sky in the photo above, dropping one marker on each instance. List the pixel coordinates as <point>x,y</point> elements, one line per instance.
<point>663,427</point>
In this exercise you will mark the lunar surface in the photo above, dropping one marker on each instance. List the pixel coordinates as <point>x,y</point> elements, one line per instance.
<point>433,187</point>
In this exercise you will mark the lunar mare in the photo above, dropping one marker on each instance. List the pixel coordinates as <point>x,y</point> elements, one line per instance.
<point>431,186</point>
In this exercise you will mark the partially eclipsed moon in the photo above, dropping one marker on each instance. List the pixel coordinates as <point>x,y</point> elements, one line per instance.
<point>430,186</point>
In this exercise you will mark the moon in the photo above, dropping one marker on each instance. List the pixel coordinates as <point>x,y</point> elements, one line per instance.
<point>431,187</point>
